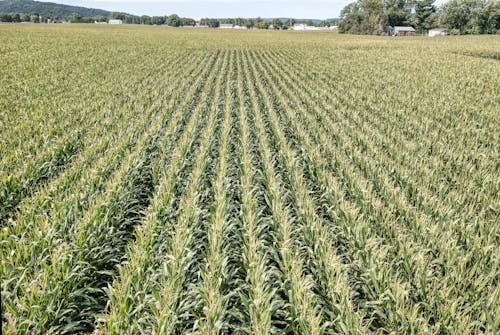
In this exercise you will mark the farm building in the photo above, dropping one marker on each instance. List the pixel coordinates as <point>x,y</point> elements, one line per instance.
<point>226,26</point>
<point>403,31</point>
<point>115,22</point>
<point>438,32</point>
<point>301,26</point>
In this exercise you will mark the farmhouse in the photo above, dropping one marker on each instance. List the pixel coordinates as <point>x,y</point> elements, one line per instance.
<point>115,22</point>
<point>438,32</point>
<point>403,31</point>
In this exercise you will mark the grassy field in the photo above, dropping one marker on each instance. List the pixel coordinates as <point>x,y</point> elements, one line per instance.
<point>176,181</point>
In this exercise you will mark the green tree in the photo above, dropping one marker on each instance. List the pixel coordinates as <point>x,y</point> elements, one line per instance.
<point>261,24</point>
<point>397,12</point>
<point>363,17</point>
<point>5,17</point>
<point>75,17</point>
<point>373,22</point>
<point>35,18</point>
<point>351,19</point>
<point>174,20</point>
<point>424,14</point>
<point>249,23</point>
<point>185,21</point>
<point>471,16</point>
<point>145,19</point>
<point>277,24</point>
<point>492,10</point>
<point>117,16</point>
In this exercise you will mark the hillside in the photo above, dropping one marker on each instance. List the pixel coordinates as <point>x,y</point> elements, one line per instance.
<point>49,9</point>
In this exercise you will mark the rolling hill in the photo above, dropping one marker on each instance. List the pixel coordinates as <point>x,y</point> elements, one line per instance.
<point>49,9</point>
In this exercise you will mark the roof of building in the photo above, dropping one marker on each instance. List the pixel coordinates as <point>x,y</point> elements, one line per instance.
<point>439,29</point>
<point>403,28</point>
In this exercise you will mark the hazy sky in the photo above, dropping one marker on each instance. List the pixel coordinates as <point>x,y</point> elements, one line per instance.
<point>314,9</point>
<point>310,9</point>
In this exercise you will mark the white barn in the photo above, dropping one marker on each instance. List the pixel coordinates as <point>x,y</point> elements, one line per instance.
<point>438,32</point>
<point>115,22</point>
<point>301,26</point>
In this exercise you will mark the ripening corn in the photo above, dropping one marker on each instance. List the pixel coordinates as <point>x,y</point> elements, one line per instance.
<point>171,181</point>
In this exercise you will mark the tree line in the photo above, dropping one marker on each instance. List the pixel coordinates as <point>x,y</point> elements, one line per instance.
<point>375,17</point>
<point>260,23</point>
<point>171,20</point>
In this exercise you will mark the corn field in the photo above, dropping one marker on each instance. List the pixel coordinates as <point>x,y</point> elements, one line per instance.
<point>184,181</point>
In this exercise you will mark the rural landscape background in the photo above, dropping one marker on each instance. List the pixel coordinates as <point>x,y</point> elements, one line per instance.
<point>160,180</point>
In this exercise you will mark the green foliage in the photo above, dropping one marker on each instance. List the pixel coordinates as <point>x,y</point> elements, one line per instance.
<point>471,16</point>
<point>261,24</point>
<point>363,17</point>
<point>277,23</point>
<point>424,17</point>
<point>467,16</point>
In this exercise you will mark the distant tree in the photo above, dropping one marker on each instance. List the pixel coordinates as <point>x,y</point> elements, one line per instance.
<point>471,16</point>
<point>249,23</point>
<point>398,12</point>
<point>75,17</point>
<point>363,17</point>
<point>459,16</point>
<point>212,23</point>
<point>117,16</point>
<point>35,18</point>
<point>99,18</point>
<point>159,20</point>
<point>145,19</point>
<point>5,17</point>
<point>174,20</point>
<point>351,18</point>
<point>261,24</point>
<point>185,21</point>
<point>492,14</point>
<point>374,21</point>
<point>277,24</point>
<point>240,21</point>
<point>288,23</point>
<point>424,18</point>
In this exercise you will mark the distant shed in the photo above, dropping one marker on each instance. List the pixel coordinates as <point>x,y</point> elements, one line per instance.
<point>403,31</point>
<point>115,22</point>
<point>438,32</point>
<point>226,26</point>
